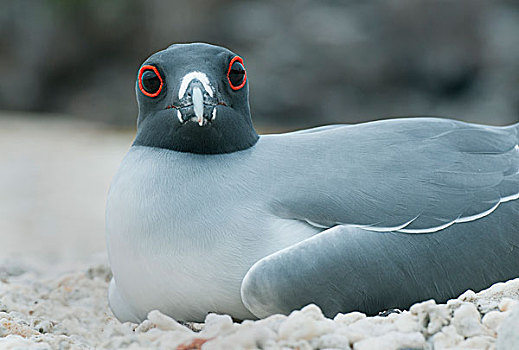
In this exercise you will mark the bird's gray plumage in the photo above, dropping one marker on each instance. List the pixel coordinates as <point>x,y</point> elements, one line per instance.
<point>351,217</point>
<point>408,175</point>
<point>347,269</point>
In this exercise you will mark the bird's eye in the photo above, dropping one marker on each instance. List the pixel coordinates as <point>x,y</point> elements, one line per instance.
<point>150,81</point>
<point>236,74</point>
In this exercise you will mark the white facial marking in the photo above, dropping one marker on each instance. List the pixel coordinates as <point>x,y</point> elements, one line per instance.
<point>194,75</point>
<point>213,115</point>
<point>179,116</point>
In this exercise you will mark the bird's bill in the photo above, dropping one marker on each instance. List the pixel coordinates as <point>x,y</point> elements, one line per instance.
<point>197,102</point>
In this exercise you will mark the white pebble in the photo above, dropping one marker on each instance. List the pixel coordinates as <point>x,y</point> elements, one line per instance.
<point>16,342</point>
<point>312,311</point>
<point>290,345</point>
<point>507,304</point>
<point>467,320</point>
<point>272,322</point>
<point>468,296</point>
<point>350,318</point>
<point>331,341</point>
<point>306,324</point>
<point>453,304</point>
<point>145,326</point>
<point>448,338</point>
<point>482,342</point>
<point>216,325</point>
<point>507,333</point>
<point>493,319</point>
<point>491,298</point>
<point>406,322</point>
<point>431,316</point>
<point>366,328</point>
<point>248,336</point>
<point>166,323</point>
<point>392,341</point>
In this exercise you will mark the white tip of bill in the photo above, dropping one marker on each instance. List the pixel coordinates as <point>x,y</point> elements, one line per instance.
<point>198,104</point>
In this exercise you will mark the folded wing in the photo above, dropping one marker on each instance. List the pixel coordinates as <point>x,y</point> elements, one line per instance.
<point>415,175</point>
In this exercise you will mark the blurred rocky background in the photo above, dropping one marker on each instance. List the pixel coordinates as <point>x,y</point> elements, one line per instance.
<point>309,62</point>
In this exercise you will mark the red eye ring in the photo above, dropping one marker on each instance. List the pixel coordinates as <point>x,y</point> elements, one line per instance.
<point>239,59</point>
<point>156,71</point>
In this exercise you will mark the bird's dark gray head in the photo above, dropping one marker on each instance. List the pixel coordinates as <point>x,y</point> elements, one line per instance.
<point>194,98</point>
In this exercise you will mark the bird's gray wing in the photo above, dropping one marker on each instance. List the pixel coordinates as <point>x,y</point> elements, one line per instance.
<point>347,268</point>
<point>414,175</point>
<point>316,129</point>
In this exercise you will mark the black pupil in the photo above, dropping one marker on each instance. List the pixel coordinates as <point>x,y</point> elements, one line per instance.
<point>150,81</point>
<point>237,74</point>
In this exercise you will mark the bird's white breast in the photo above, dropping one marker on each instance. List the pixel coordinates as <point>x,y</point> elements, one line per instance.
<point>182,231</point>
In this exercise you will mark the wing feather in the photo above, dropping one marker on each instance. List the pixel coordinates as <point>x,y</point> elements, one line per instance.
<point>412,175</point>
